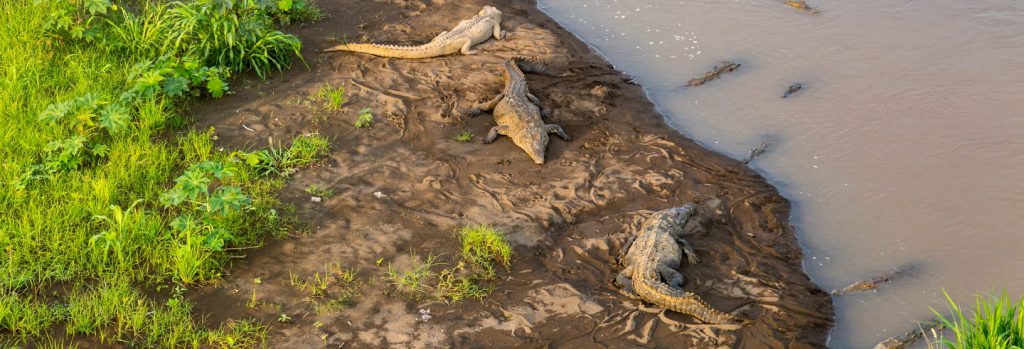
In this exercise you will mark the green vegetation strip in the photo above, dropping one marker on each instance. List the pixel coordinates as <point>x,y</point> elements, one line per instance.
<point>997,323</point>
<point>100,201</point>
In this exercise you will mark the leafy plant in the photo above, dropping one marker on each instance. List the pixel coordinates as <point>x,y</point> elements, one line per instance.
<point>464,136</point>
<point>296,11</point>
<point>365,119</point>
<point>236,34</point>
<point>304,151</point>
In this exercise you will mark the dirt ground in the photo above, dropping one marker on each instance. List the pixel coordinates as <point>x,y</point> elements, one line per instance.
<point>405,185</point>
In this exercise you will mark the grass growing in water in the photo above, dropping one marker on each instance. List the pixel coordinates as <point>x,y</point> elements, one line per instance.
<point>997,323</point>
<point>93,200</point>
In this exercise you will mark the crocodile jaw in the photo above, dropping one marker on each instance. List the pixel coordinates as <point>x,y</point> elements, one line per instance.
<point>491,11</point>
<point>534,146</point>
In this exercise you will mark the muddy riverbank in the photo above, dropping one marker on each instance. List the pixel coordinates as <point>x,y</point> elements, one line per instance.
<point>403,186</point>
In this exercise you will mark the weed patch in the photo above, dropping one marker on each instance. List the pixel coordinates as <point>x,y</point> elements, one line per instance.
<point>98,197</point>
<point>365,119</point>
<point>464,136</point>
<point>483,247</point>
<point>330,291</point>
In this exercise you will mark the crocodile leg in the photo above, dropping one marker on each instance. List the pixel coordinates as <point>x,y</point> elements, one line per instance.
<point>629,243</point>
<point>495,131</point>
<point>552,128</point>
<point>671,276</point>
<point>543,111</point>
<point>691,256</point>
<point>627,284</point>
<point>485,106</point>
<point>498,33</point>
<point>467,46</point>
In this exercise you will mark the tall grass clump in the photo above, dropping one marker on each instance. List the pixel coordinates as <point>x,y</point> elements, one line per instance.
<point>101,204</point>
<point>484,246</point>
<point>996,323</point>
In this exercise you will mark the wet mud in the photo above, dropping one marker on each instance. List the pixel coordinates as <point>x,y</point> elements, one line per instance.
<point>402,187</point>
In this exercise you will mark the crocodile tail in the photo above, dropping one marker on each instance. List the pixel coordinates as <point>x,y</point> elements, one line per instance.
<point>532,65</point>
<point>422,51</point>
<point>688,303</point>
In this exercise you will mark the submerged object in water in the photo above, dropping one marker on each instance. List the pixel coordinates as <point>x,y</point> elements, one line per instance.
<point>794,88</point>
<point>719,69</point>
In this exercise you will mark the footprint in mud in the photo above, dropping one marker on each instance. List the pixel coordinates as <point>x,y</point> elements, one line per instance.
<point>541,305</point>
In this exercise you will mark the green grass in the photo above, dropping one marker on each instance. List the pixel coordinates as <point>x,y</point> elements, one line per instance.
<point>413,281</point>
<point>330,291</point>
<point>326,100</point>
<point>483,246</point>
<point>996,323</point>
<point>365,119</point>
<point>321,192</point>
<point>331,98</point>
<point>106,199</point>
<point>464,136</point>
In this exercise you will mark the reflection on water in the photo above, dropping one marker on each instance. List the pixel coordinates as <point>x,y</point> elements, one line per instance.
<point>905,146</point>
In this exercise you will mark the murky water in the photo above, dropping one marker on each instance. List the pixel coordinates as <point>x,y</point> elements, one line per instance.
<point>905,147</point>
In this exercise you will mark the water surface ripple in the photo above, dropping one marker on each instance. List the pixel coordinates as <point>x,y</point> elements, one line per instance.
<point>906,146</point>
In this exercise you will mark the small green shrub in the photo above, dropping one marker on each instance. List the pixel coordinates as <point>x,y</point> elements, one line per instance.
<point>454,286</point>
<point>483,246</point>
<point>331,98</point>
<point>297,11</point>
<point>365,119</point>
<point>414,281</point>
<point>997,323</point>
<point>304,151</point>
<point>464,136</point>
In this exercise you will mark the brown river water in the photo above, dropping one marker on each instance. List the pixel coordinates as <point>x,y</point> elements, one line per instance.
<point>904,148</point>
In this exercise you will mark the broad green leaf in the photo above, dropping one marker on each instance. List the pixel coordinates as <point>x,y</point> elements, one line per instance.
<point>175,86</point>
<point>184,223</point>
<point>148,84</point>
<point>218,169</point>
<point>114,118</point>
<point>228,198</point>
<point>216,86</point>
<point>284,5</point>
<point>173,197</point>
<point>55,111</point>
<point>100,150</point>
<point>97,6</point>
<point>194,182</point>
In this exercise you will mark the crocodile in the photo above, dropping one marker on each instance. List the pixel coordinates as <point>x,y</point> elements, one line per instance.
<point>716,72</point>
<point>875,282</point>
<point>518,113</point>
<point>794,88</point>
<point>651,264</point>
<point>462,38</point>
<point>801,5</point>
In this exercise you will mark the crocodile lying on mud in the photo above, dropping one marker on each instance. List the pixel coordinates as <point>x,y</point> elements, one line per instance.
<point>462,38</point>
<point>655,256</point>
<point>518,112</point>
